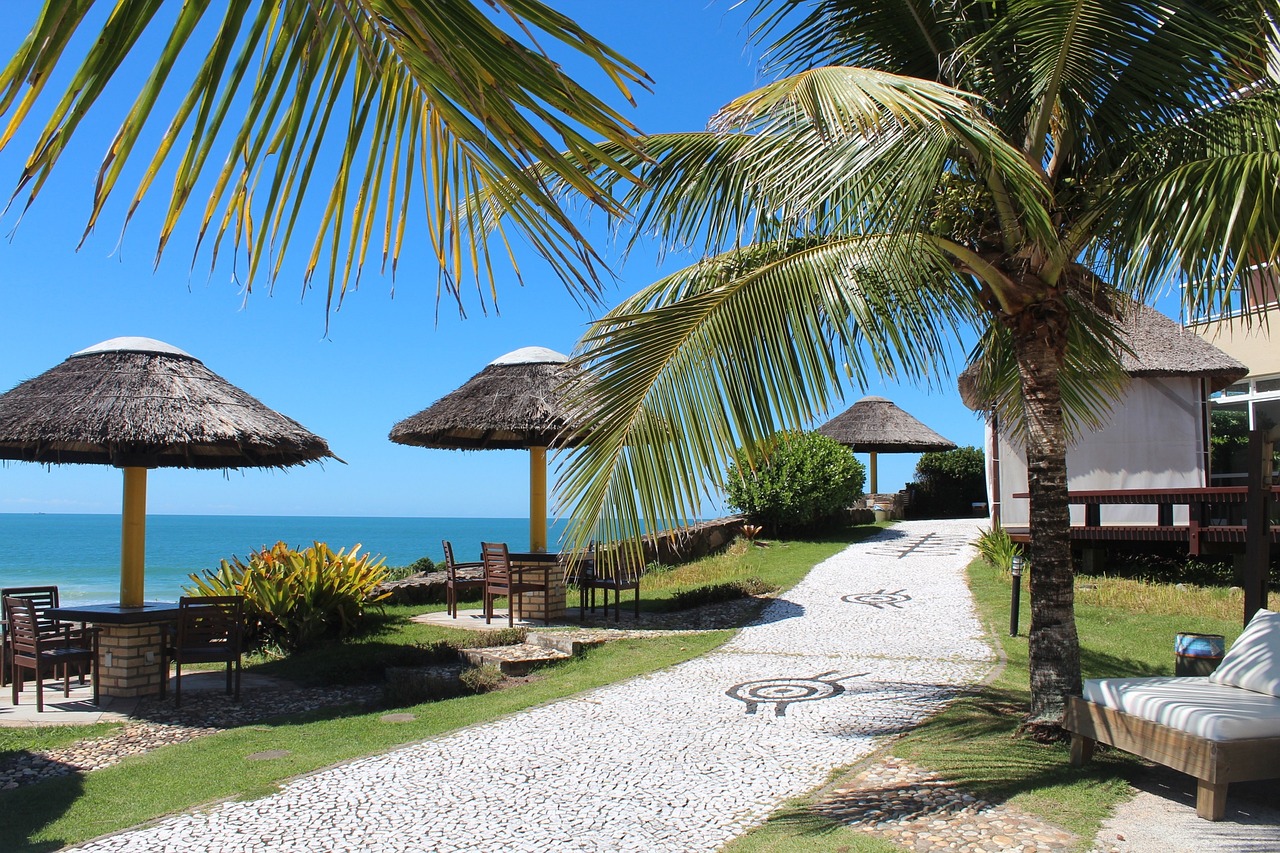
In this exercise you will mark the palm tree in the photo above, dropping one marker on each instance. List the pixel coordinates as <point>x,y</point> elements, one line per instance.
<point>337,111</point>
<point>1023,166</point>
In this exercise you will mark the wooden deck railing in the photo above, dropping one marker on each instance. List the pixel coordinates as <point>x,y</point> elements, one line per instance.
<point>1254,536</point>
<point>1205,510</point>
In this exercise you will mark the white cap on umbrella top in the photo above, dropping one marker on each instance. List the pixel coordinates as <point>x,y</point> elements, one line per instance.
<point>129,344</point>
<point>531,355</point>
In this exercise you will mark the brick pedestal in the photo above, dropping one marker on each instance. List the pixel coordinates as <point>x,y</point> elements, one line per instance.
<point>129,658</point>
<point>539,606</point>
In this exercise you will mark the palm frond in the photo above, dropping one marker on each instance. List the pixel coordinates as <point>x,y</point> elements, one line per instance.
<point>1206,221</point>
<point>731,350</point>
<point>914,37</point>
<point>360,104</point>
<point>830,150</point>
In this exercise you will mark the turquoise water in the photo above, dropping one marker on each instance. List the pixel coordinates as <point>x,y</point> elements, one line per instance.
<point>81,553</point>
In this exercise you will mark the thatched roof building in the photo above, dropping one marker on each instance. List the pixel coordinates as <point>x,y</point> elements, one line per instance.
<point>138,402</point>
<point>1160,347</point>
<point>877,425</point>
<point>517,401</point>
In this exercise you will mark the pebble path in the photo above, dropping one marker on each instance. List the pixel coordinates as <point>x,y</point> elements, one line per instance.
<point>873,641</point>
<point>915,809</point>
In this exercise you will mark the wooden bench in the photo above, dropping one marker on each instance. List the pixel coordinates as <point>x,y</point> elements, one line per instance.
<point>1214,764</point>
<point>1222,728</point>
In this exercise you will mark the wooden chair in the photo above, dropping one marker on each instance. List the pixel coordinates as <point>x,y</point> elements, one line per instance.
<point>455,581</point>
<point>501,579</point>
<point>617,575</point>
<point>44,598</point>
<point>43,651</point>
<point>210,629</point>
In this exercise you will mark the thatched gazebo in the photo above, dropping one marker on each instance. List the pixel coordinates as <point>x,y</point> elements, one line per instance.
<point>1157,347</point>
<point>138,403</point>
<point>875,425</point>
<point>519,401</point>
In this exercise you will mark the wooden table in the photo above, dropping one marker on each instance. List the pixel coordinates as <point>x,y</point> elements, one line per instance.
<point>130,641</point>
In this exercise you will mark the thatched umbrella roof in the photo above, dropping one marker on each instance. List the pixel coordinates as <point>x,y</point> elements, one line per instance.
<point>517,401</point>
<point>138,402</point>
<point>876,425</point>
<point>1160,347</point>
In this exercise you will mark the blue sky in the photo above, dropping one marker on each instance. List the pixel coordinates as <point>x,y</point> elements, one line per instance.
<point>382,358</point>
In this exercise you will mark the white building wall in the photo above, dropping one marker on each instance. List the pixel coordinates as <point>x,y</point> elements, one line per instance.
<point>1154,439</point>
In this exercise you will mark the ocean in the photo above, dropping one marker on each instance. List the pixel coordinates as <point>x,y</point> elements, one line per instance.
<point>81,553</point>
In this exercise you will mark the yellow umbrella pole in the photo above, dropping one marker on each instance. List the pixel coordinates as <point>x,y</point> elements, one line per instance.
<point>133,537</point>
<point>538,499</point>
<point>875,483</point>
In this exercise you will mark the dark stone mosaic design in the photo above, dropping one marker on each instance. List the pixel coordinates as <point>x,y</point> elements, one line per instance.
<point>781,692</point>
<point>932,544</point>
<point>879,599</point>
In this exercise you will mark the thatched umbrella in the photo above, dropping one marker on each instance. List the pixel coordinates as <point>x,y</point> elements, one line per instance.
<point>138,403</point>
<point>875,425</point>
<point>517,401</point>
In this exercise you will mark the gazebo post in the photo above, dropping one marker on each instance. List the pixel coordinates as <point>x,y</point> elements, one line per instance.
<point>538,499</point>
<point>133,537</point>
<point>875,480</point>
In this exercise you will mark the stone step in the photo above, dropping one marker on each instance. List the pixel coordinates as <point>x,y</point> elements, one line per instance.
<point>515,660</point>
<point>571,643</point>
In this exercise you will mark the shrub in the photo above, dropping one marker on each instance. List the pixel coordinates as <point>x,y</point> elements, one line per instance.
<point>482,678</point>
<point>422,564</point>
<point>997,548</point>
<point>801,482</point>
<point>948,483</point>
<point>399,573</point>
<point>293,598</point>
<point>683,599</point>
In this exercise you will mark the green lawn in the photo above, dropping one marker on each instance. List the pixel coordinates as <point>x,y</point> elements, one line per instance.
<point>73,809</point>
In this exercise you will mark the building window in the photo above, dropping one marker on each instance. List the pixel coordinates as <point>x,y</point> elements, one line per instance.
<point>1234,411</point>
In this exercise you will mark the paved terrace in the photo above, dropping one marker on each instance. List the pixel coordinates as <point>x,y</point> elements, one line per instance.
<point>871,642</point>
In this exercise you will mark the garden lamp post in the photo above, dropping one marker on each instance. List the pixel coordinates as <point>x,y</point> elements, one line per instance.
<point>1015,602</point>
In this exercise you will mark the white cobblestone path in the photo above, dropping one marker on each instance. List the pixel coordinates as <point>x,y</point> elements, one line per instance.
<point>665,762</point>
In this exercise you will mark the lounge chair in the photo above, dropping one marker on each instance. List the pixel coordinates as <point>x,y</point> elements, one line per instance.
<point>1220,728</point>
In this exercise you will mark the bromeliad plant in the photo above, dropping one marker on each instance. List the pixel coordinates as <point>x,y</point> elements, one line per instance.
<point>297,598</point>
<point>997,548</point>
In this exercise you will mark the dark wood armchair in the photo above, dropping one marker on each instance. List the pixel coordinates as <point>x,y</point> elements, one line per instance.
<point>210,629</point>
<point>608,571</point>
<point>455,580</point>
<point>501,579</point>
<point>46,651</point>
<point>44,598</point>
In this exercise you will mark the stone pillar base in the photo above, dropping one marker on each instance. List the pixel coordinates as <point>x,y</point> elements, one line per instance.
<point>129,658</point>
<point>540,606</point>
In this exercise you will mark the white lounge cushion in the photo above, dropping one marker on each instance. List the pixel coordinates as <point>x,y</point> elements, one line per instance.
<point>1253,661</point>
<point>1193,705</point>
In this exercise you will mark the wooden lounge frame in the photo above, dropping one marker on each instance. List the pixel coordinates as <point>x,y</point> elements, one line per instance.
<point>1214,764</point>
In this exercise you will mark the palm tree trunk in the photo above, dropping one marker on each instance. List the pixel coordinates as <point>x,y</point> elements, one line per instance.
<point>1039,336</point>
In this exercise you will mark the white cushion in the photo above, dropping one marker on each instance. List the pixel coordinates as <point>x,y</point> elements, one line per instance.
<point>1253,661</point>
<point>1193,705</point>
